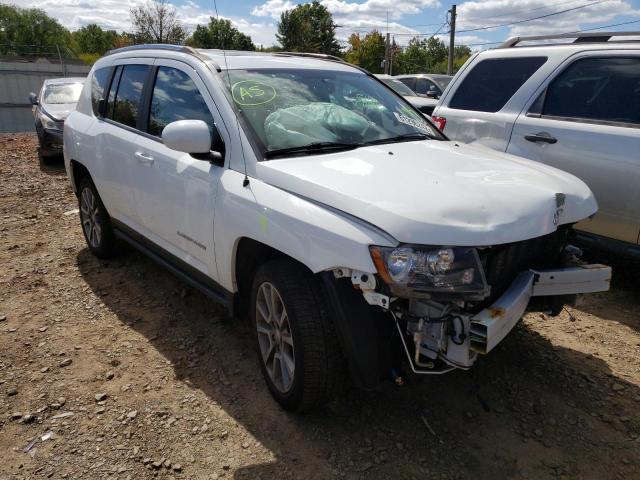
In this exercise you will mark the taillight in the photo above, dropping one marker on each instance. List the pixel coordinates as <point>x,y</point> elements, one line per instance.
<point>439,121</point>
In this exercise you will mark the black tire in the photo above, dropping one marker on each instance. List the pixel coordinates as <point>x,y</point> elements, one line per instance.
<point>102,243</point>
<point>317,358</point>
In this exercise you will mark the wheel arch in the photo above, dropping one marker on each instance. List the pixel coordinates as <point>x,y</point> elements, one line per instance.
<point>248,255</point>
<point>363,330</point>
<point>78,173</point>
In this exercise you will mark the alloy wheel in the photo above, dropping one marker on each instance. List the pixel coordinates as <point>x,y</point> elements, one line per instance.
<point>275,337</point>
<point>90,217</point>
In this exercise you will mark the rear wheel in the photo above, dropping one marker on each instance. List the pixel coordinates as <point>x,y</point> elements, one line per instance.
<point>297,346</point>
<point>96,224</point>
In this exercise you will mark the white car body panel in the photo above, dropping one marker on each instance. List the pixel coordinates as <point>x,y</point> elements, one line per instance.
<point>316,236</point>
<point>437,193</point>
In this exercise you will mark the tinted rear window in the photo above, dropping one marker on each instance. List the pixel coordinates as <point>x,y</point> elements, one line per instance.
<point>491,83</point>
<point>129,94</point>
<point>98,85</point>
<point>602,89</point>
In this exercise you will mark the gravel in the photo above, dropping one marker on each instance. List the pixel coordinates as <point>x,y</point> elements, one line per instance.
<point>164,385</point>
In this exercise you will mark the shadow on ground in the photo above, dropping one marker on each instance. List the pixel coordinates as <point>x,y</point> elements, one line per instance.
<point>529,410</point>
<point>52,165</point>
<point>622,303</point>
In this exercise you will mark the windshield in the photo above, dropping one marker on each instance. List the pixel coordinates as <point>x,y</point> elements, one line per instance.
<point>399,87</point>
<point>295,108</point>
<point>57,93</point>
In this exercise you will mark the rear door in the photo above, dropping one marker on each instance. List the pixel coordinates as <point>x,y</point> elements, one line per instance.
<point>114,136</point>
<point>175,192</point>
<point>586,120</point>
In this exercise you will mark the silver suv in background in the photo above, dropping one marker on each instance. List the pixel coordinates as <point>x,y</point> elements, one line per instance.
<point>574,106</point>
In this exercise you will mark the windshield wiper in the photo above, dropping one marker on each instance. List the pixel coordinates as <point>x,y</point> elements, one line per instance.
<point>406,137</point>
<point>316,147</point>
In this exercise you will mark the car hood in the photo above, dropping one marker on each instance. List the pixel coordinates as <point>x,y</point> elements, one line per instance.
<point>59,111</point>
<point>438,192</point>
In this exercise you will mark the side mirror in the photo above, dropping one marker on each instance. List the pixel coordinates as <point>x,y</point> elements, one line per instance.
<point>432,94</point>
<point>33,98</point>
<point>188,136</point>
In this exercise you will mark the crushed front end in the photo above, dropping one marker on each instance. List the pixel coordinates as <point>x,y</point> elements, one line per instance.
<point>450,304</point>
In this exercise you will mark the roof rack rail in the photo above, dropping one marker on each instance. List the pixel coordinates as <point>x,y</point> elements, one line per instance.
<point>580,37</point>
<point>165,46</point>
<point>153,46</point>
<point>321,56</point>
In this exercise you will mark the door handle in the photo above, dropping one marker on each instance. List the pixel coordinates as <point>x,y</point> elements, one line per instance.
<point>144,158</point>
<point>543,137</point>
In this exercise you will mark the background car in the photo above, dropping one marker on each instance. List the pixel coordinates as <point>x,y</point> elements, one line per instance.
<point>426,84</point>
<point>57,98</point>
<point>425,105</point>
<point>574,106</point>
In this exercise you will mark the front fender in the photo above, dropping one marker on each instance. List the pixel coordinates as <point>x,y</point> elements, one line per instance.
<point>316,236</point>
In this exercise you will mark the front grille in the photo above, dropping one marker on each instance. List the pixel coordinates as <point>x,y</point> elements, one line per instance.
<point>502,263</point>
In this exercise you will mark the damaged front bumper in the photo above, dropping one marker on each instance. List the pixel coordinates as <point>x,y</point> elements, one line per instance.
<point>491,325</point>
<point>440,346</point>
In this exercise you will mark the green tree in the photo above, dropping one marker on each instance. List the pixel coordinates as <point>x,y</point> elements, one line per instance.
<point>428,55</point>
<point>220,34</point>
<point>413,58</point>
<point>33,28</point>
<point>157,22</point>
<point>308,27</point>
<point>93,39</point>
<point>367,52</point>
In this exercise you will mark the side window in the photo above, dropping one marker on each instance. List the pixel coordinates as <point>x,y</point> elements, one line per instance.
<point>492,82</point>
<point>98,85</point>
<point>425,86</point>
<point>409,82</point>
<point>176,97</point>
<point>129,94</point>
<point>112,91</point>
<point>604,89</point>
<point>432,87</point>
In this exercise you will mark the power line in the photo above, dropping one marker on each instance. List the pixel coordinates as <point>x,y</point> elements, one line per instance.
<point>605,26</point>
<point>431,34</point>
<point>551,5</point>
<point>532,19</point>
<point>575,31</point>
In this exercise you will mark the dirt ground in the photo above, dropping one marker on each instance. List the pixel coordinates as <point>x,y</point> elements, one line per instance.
<point>116,369</point>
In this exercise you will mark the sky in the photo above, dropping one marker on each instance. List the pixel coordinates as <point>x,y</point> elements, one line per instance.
<point>478,24</point>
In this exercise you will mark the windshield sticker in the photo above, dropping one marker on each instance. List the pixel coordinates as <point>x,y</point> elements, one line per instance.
<point>413,122</point>
<point>250,93</point>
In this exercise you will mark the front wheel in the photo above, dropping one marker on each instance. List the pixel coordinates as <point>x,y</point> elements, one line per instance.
<point>297,346</point>
<point>96,224</point>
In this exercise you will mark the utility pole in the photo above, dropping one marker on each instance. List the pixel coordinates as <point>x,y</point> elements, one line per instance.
<point>452,38</point>
<point>387,55</point>
<point>387,50</point>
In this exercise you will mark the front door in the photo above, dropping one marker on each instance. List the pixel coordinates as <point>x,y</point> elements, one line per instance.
<point>176,192</point>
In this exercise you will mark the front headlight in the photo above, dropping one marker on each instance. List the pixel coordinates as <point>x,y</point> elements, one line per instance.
<point>49,123</point>
<point>431,269</point>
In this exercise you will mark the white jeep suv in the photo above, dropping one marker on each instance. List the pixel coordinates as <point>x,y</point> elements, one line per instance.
<point>304,192</point>
<point>574,106</point>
